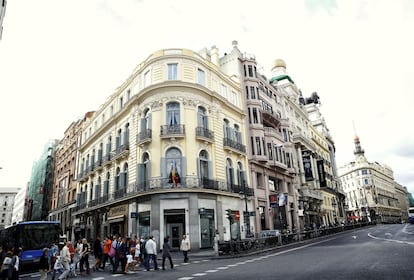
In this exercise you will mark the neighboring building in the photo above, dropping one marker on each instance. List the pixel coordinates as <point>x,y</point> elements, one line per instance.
<point>187,138</point>
<point>166,154</point>
<point>7,199</point>
<point>371,191</point>
<point>334,196</point>
<point>18,208</point>
<point>41,185</point>
<point>63,195</point>
<point>2,14</point>
<point>308,194</point>
<point>269,147</point>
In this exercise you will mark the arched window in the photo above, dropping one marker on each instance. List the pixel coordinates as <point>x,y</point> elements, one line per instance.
<point>230,174</point>
<point>108,148</point>
<point>98,188</point>
<point>237,134</point>
<point>124,176</point>
<point>204,165</point>
<point>174,166</point>
<point>106,184</point>
<point>173,113</point>
<point>91,192</point>
<point>202,117</point>
<point>126,135</point>
<point>227,129</point>
<point>144,172</point>
<point>116,179</point>
<point>118,139</point>
<point>241,175</point>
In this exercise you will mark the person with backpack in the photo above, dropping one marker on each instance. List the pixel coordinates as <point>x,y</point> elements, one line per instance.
<point>14,266</point>
<point>5,265</point>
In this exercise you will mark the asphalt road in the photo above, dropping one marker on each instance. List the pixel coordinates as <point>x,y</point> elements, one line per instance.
<point>377,253</point>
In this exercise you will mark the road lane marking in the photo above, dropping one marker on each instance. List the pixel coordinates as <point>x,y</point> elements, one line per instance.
<point>222,267</point>
<point>405,230</point>
<point>185,278</point>
<point>211,270</point>
<point>199,274</point>
<point>392,240</point>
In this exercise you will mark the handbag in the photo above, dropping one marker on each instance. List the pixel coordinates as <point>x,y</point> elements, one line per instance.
<point>111,252</point>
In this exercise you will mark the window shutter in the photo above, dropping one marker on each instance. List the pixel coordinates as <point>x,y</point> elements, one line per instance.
<point>210,171</point>
<point>126,137</point>
<point>163,168</point>
<point>121,180</point>
<point>106,187</point>
<point>183,169</point>
<point>199,168</point>
<point>99,155</point>
<point>142,125</point>
<point>117,142</point>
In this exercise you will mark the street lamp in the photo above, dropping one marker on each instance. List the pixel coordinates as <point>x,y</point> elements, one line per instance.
<point>246,216</point>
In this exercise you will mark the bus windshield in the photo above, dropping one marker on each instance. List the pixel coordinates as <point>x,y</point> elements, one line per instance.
<point>37,236</point>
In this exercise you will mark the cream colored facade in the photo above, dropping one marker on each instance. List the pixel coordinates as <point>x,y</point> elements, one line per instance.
<point>370,190</point>
<point>177,113</point>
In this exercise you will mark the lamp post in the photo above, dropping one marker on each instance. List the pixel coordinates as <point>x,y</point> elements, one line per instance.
<point>246,216</point>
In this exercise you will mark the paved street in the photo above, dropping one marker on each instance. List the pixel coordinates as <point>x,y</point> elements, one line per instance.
<point>378,252</point>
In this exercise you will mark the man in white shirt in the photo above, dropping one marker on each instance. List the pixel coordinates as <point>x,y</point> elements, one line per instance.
<point>151,249</point>
<point>65,260</point>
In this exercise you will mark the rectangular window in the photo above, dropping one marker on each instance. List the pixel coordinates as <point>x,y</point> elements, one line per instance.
<point>250,68</point>
<point>252,93</point>
<point>235,100</point>
<point>172,71</point>
<point>252,144</point>
<point>255,116</point>
<point>121,103</point>
<point>258,148</point>
<point>201,76</point>
<point>224,91</point>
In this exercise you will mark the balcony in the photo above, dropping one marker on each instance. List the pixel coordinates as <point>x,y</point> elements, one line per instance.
<point>163,185</point>
<point>144,136</point>
<point>121,152</point>
<point>204,134</point>
<point>98,164</point>
<point>232,145</point>
<point>107,159</point>
<point>270,118</point>
<point>172,131</point>
<point>312,194</point>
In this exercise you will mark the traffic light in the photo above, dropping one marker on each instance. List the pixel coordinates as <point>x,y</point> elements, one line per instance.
<point>230,215</point>
<point>237,215</point>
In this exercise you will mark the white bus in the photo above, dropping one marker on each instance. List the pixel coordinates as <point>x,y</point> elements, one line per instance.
<point>411,215</point>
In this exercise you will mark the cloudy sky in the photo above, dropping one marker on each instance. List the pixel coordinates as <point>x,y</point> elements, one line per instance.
<point>62,58</point>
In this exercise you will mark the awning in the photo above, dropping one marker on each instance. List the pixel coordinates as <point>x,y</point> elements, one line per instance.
<point>116,219</point>
<point>353,217</point>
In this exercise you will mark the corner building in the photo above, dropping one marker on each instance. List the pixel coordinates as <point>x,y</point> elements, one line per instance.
<point>165,154</point>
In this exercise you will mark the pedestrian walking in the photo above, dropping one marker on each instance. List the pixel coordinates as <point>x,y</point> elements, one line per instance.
<point>97,252</point>
<point>53,255</point>
<point>151,249</point>
<point>84,257</point>
<point>44,264</point>
<point>166,253</point>
<point>122,253</point>
<point>185,247</point>
<point>65,260</point>
<point>6,265</point>
<point>106,255</point>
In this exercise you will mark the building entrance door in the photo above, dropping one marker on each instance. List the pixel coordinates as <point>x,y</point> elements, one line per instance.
<point>175,231</point>
<point>175,226</point>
